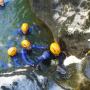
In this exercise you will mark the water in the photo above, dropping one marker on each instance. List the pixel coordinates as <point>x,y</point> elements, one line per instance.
<point>11,17</point>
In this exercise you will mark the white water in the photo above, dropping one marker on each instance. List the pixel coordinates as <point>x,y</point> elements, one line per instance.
<point>72,59</point>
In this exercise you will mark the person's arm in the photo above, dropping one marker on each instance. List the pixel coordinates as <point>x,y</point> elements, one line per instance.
<point>19,32</point>
<point>15,61</point>
<point>43,57</point>
<point>25,58</point>
<point>31,28</point>
<point>61,58</point>
<point>39,47</point>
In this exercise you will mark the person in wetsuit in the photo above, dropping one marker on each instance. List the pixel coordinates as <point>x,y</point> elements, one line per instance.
<point>27,49</point>
<point>23,54</point>
<point>54,52</point>
<point>26,29</point>
<point>14,54</point>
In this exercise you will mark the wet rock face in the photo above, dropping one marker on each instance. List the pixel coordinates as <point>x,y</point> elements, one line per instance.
<point>84,85</point>
<point>76,43</point>
<point>23,82</point>
<point>68,19</point>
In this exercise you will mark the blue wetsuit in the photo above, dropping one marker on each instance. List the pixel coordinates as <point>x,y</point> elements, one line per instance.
<point>29,31</point>
<point>16,60</point>
<point>47,56</point>
<point>21,33</point>
<point>23,56</point>
<point>44,61</point>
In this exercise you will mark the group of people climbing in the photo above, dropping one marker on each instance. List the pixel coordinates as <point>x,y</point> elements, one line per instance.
<point>51,52</point>
<point>20,58</point>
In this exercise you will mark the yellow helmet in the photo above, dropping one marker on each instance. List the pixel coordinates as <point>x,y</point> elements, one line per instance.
<point>12,51</point>
<point>24,27</point>
<point>25,44</point>
<point>55,48</point>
